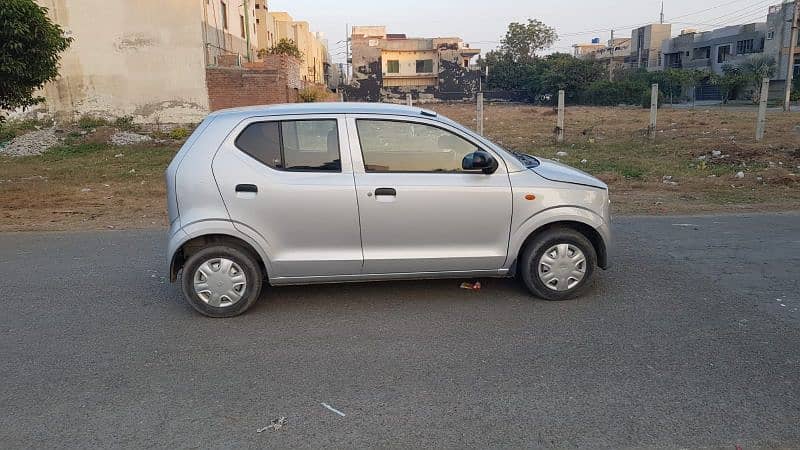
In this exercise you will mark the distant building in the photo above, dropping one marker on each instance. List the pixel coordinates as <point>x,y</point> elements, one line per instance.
<point>274,26</point>
<point>151,60</point>
<point>586,50</point>
<point>393,65</point>
<point>615,51</point>
<point>645,46</point>
<point>778,35</point>
<point>711,50</point>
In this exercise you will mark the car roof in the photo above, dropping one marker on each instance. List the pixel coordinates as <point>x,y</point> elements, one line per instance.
<point>324,108</point>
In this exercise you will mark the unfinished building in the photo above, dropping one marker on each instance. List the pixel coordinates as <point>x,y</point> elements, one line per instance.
<point>391,66</point>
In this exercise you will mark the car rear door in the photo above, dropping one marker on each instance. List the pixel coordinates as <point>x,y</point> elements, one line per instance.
<point>419,211</point>
<point>289,179</point>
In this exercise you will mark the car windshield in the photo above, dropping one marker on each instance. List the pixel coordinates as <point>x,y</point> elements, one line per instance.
<point>527,160</point>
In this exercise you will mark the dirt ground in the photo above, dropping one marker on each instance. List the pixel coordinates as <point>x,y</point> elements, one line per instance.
<point>90,184</point>
<point>664,175</point>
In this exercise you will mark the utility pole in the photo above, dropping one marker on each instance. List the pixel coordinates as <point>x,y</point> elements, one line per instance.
<point>611,61</point>
<point>787,106</point>
<point>347,53</point>
<point>653,110</point>
<point>480,113</point>
<point>247,29</point>
<point>761,122</point>
<point>560,118</point>
<point>662,12</point>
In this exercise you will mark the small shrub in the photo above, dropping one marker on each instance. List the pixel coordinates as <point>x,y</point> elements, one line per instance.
<point>287,47</point>
<point>125,123</point>
<point>646,97</point>
<point>612,93</point>
<point>13,128</point>
<point>87,122</point>
<point>311,95</point>
<point>179,133</point>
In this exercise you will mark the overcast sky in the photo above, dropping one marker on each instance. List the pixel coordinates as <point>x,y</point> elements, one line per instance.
<point>483,22</point>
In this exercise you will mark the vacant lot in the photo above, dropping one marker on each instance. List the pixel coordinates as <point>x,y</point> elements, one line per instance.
<point>87,183</point>
<point>614,146</point>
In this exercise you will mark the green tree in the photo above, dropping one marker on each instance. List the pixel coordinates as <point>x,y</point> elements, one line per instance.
<point>732,80</point>
<point>573,75</point>
<point>30,48</point>
<point>756,68</point>
<point>287,47</point>
<point>506,74</point>
<point>523,40</point>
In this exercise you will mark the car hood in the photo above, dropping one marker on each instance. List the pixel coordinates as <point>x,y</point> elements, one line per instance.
<point>555,171</point>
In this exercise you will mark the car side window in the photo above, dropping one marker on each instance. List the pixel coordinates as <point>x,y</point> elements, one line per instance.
<point>397,146</point>
<point>293,145</point>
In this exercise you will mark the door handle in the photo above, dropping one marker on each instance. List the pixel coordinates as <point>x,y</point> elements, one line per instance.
<point>385,191</point>
<point>247,188</point>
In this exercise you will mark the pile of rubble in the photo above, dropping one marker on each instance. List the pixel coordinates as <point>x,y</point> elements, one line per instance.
<point>34,143</point>
<point>126,138</point>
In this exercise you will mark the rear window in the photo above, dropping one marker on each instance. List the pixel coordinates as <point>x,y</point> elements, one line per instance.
<point>293,145</point>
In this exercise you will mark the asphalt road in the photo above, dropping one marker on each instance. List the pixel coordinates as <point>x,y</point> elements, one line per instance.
<point>692,339</point>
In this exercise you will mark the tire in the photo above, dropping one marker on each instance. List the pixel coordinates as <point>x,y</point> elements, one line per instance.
<point>545,242</point>
<point>242,264</point>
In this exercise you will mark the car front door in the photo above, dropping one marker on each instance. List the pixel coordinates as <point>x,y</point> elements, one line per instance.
<point>289,179</point>
<point>420,212</point>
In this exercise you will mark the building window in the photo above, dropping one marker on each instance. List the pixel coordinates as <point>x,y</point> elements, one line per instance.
<point>241,25</point>
<point>393,66</point>
<point>770,35</point>
<point>223,14</point>
<point>723,53</point>
<point>702,53</point>
<point>424,66</point>
<point>745,46</point>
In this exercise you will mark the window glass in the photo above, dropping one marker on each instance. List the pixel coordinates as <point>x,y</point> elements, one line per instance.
<point>302,145</point>
<point>392,146</point>
<point>393,66</point>
<point>424,66</point>
<point>262,141</point>
<point>311,145</point>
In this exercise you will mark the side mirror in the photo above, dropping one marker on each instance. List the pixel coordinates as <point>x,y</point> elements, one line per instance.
<point>480,160</point>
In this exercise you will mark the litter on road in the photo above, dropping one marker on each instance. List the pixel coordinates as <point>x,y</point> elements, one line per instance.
<point>476,286</point>
<point>332,409</point>
<point>276,425</point>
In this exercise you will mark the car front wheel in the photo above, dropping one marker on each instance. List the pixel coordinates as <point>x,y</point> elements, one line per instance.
<point>558,264</point>
<point>221,281</point>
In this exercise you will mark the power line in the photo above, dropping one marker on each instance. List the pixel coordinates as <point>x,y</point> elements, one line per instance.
<point>744,12</point>
<point>705,10</point>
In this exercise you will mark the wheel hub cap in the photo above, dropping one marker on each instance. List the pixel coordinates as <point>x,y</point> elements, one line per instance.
<point>562,267</point>
<point>220,282</point>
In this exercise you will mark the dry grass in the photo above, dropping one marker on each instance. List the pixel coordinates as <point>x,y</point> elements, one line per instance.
<point>48,192</point>
<point>614,144</point>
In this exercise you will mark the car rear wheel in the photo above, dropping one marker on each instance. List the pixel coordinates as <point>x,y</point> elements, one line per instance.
<point>221,281</point>
<point>558,264</point>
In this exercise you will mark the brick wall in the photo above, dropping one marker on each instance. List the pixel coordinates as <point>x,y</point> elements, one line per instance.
<point>274,80</point>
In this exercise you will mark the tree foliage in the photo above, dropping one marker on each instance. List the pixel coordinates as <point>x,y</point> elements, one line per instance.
<point>524,40</point>
<point>30,48</point>
<point>286,47</point>
<point>573,75</point>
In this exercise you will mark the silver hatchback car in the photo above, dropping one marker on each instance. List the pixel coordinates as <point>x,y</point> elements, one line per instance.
<point>320,193</point>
